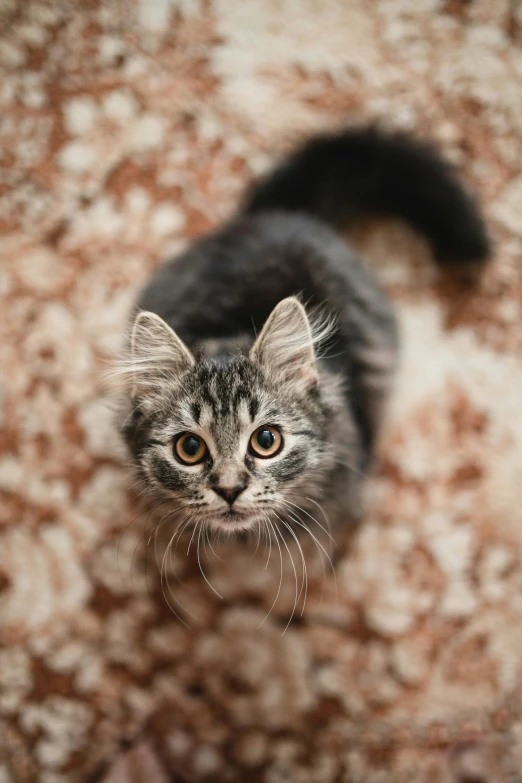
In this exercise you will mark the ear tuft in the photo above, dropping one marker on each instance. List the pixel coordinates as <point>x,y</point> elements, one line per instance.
<point>156,355</point>
<point>285,347</point>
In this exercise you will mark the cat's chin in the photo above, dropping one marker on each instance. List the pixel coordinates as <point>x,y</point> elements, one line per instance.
<point>232,521</point>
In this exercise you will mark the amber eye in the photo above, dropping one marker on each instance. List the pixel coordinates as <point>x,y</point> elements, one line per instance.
<point>266,441</point>
<point>190,449</point>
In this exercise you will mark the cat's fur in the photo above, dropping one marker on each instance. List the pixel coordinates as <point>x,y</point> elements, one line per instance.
<point>195,364</point>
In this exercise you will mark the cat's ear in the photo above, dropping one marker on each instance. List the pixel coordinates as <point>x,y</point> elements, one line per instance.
<point>285,347</point>
<point>156,354</point>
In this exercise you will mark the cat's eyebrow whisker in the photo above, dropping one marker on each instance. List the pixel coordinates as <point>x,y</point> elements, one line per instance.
<point>115,400</point>
<point>132,412</point>
<point>271,524</point>
<point>351,467</point>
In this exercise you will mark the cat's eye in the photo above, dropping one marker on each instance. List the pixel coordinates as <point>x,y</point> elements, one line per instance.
<point>266,441</point>
<point>190,449</point>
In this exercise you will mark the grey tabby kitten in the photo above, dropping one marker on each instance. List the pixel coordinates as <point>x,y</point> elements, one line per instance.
<point>232,412</point>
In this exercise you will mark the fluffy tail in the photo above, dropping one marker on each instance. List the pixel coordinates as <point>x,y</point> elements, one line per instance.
<point>369,171</point>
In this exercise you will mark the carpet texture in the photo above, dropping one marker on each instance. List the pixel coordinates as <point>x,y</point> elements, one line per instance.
<point>127,129</point>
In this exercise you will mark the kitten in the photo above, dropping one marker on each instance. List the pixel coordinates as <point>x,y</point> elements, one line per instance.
<point>233,414</point>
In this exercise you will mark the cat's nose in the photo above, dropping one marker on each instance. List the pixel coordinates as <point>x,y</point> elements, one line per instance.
<point>230,494</point>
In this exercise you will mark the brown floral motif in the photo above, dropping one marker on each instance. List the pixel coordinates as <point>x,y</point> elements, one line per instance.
<point>128,128</point>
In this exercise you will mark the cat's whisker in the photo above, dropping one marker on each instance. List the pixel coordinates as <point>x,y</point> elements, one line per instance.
<point>331,542</point>
<point>179,529</point>
<point>207,530</point>
<point>302,524</point>
<point>137,482</point>
<point>321,509</point>
<point>171,558</point>
<point>168,601</point>
<point>141,538</point>
<point>145,510</point>
<point>328,555</point>
<point>201,567</point>
<point>191,539</point>
<point>153,530</point>
<point>153,534</point>
<point>304,583</point>
<point>299,508</point>
<point>271,524</point>
<point>296,598</point>
<point>166,558</point>
<point>164,578</point>
<point>171,555</point>
<point>299,522</point>
<point>187,524</point>
<point>269,540</point>
<point>258,540</point>
<point>295,516</point>
<point>156,547</point>
<point>318,544</point>
<point>145,491</point>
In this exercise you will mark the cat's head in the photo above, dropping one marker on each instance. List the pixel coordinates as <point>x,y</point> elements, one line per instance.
<point>229,439</point>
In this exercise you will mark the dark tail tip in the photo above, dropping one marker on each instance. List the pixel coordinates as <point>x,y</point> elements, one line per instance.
<point>464,241</point>
<point>368,170</point>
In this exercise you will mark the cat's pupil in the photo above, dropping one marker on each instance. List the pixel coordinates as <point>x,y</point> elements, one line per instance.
<point>191,446</point>
<point>265,439</point>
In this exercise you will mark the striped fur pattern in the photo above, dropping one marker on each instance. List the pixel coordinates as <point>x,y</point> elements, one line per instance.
<point>272,321</point>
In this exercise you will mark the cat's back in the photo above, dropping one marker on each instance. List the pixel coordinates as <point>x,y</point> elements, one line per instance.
<point>228,283</point>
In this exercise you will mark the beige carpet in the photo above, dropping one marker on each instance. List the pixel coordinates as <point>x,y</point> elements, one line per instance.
<point>126,129</point>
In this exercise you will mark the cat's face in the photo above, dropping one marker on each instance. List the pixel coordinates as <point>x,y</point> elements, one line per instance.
<point>230,440</point>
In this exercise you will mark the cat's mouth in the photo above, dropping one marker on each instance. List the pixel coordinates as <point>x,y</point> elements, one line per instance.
<point>234,514</point>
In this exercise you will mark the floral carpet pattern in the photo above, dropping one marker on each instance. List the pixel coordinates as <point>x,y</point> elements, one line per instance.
<point>127,129</point>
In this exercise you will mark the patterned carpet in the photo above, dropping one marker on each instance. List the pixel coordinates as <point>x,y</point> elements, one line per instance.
<point>128,128</point>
